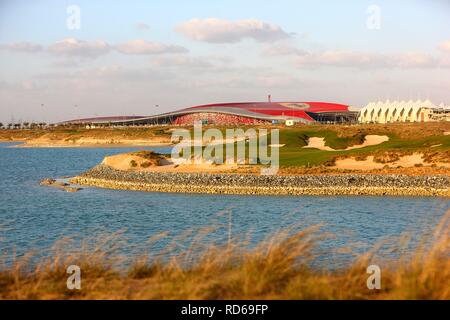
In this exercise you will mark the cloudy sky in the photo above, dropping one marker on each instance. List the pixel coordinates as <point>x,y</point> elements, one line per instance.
<point>80,58</point>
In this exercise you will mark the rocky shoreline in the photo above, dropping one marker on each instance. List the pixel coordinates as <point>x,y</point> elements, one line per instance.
<point>339,184</point>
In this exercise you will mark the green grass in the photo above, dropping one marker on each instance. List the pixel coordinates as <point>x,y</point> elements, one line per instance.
<point>292,154</point>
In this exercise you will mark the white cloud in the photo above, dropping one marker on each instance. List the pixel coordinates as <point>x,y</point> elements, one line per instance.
<point>369,60</point>
<point>144,47</point>
<point>80,48</point>
<point>183,62</point>
<point>445,46</point>
<point>356,59</point>
<point>216,30</point>
<point>22,47</point>
<point>282,50</point>
<point>141,26</point>
<point>413,60</point>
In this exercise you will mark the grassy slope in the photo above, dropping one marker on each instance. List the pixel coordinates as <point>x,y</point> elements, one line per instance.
<point>404,138</point>
<point>71,134</point>
<point>292,154</point>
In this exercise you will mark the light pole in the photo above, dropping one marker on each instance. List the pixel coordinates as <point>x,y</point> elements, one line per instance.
<point>77,114</point>
<point>42,113</point>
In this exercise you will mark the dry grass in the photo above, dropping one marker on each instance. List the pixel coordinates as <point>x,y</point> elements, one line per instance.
<point>402,130</point>
<point>278,268</point>
<point>64,135</point>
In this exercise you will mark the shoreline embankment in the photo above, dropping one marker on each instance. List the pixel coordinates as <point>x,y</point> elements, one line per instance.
<point>333,184</point>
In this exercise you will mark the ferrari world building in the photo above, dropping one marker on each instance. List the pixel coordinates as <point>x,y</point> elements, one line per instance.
<point>239,113</point>
<point>403,111</point>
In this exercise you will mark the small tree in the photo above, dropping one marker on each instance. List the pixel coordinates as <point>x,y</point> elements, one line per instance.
<point>25,125</point>
<point>1,125</point>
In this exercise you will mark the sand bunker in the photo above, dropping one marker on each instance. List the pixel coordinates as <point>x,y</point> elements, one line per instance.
<point>369,140</point>
<point>368,164</point>
<point>136,161</point>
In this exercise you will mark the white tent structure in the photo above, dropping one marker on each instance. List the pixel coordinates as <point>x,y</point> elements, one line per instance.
<point>402,111</point>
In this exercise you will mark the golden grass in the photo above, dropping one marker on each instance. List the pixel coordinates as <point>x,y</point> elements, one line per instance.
<point>277,268</point>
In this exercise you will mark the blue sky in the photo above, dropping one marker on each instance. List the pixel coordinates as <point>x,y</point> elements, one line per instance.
<point>129,56</point>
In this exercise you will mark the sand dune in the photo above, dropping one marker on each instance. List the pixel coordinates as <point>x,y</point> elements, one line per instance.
<point>370,140</point>
<point>369,164</point>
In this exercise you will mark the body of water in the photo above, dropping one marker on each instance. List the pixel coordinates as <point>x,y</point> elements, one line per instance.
<point>33,217</point>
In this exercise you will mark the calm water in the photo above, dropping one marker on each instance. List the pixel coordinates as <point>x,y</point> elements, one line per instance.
<point>34,217</point>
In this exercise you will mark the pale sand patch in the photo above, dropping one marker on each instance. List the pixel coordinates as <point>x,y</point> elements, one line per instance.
<point>276,145</point>
<point>368,164</point>
<point>447,133</point>
<point>317,143</point>
<point>92,142</point>
<point>369,140</point>
<point>122,162</point>
<point>436,145</point>
<point>352,164</point>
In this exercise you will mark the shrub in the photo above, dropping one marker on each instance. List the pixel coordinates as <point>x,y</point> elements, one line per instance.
<point>146,164</point>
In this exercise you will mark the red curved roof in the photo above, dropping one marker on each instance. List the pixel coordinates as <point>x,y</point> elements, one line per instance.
<point>289,109</point>
<point>263,110</point>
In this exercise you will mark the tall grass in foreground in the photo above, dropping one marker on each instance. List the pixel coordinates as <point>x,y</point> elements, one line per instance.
<point>278,268</point>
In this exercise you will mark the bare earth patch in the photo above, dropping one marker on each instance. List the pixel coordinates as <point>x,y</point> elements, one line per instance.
<point>407,161</point>
<point>44,142</point>
<point>370,140</point>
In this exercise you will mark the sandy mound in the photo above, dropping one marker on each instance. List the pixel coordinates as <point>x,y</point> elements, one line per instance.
<point>153,162</point>
<point>369,163</point>
<point>135,160</point>
<point>369,140</point>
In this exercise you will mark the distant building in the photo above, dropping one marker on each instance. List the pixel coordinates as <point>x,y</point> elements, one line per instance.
<point>238,113</point>
<point>403,111</point>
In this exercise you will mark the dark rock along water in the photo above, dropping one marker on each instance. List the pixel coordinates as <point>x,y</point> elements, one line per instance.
<point>33,217</point>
